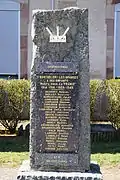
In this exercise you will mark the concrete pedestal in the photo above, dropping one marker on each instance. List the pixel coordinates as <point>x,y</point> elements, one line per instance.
<point>25,173</point>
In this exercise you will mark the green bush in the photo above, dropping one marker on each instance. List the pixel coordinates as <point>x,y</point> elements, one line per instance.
<point>110,89</point>
<point>94,87</point>
<point>113,93</point>
<point>14,101</point>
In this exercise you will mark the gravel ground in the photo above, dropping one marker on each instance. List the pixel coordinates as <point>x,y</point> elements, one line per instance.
<point>108,173</point>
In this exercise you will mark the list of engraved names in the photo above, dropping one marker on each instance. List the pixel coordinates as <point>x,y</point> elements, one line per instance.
<point>58,89</point>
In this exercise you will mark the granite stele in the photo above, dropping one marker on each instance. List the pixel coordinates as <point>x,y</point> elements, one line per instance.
<point>60,107</point>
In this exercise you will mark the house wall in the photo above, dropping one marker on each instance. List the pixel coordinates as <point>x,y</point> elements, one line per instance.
<point>117,41</point>
<point>97,33</point>
<point>110,8</point>
<point>24,19</point>
<point>101,32</point>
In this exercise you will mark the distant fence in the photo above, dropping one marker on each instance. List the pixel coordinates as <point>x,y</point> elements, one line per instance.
<point>105,136</point>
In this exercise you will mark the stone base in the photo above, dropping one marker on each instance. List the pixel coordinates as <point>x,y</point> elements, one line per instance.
<point>25,173</point>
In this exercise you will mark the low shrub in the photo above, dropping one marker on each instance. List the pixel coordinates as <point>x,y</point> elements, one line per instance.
<point>105,99</point>
<point>14,101</point>
<point>94,88</point>
<point>113,94</point>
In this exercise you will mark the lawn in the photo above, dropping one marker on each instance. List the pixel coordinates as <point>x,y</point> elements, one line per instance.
<point>13,150</point>
<point>106,154</point>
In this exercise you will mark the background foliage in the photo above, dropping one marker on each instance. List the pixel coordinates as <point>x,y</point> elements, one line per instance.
<point>15,101</point>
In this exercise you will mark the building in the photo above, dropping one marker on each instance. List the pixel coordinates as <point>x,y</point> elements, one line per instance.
<point>14,16</point>
<point>104,36</point>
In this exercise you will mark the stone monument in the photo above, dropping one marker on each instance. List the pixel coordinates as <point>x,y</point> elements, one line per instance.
<point>60,107</point>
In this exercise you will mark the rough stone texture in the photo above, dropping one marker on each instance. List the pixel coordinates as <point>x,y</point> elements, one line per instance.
<point>25,173</point>
<point>74,51</point>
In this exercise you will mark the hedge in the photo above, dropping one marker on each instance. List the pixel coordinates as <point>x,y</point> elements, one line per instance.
<point>15,101</point>
<point>105,100</point>
<point>113,93</point>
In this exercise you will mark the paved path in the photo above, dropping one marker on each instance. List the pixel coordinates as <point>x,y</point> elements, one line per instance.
<point>8,173</point>
<point>108,173</point>
<point>111,173</point>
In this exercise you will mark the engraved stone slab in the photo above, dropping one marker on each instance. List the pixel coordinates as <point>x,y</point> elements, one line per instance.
<point>60,110</point>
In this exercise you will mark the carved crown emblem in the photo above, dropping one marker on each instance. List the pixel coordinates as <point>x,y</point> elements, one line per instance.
<point>57,37</point>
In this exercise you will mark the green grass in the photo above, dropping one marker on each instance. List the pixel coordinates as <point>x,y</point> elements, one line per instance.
<point>12,159</point>
<point>106,154</point>
<point>13,150</point>
<point>106,159</point>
